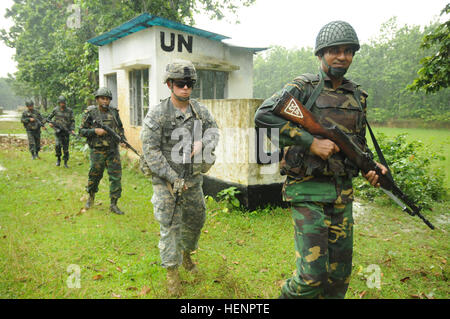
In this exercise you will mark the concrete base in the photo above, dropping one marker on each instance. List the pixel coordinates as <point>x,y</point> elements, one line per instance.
<point>251,196</point>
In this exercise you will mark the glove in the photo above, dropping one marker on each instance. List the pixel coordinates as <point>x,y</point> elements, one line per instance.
<point>178,186</point>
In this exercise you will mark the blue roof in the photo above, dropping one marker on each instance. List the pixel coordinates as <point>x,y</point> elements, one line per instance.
<point>145,21</point>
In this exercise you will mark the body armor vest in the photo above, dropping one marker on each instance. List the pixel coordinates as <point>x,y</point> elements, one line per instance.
<point>107,118</point>
<point>62,117</point>
<point>168,145</point>
<point>341,108</point>
<point>31,126</point>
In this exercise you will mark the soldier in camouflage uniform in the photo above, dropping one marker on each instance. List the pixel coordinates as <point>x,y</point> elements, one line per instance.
<point>318,176</point>
<point>63,116</point>
<point>104,151</point>
<point>178,201</point>
<point>32,121</point>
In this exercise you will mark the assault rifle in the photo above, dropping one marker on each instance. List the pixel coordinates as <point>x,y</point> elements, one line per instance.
<point>115,136</point>
<point>293,110</point>
<point>60,128</point>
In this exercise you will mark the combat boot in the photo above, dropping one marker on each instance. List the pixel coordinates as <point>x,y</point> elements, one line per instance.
<point>58,161</point>
<point>113,208</point>
<point>65,164</point>
<point>33,155</point>
<point>188,264</point>
<point>173,282</point>
<point>90,201</point>
<point>37,155</point>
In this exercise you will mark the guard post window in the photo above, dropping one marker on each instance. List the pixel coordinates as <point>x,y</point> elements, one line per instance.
<point>139,95</point>
<point>210,85</point>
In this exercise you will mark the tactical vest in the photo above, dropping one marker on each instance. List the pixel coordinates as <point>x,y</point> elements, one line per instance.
<point>107,118</point>
<point>341,108</point>
<point>168,125</point>
<point>31,126</point>
<point>62,117</point>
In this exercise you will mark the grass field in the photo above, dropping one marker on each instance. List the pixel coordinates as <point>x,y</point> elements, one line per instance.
<point>241,255</point>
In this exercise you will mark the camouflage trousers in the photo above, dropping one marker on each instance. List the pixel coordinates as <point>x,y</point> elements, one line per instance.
<point>324,248</point>
<point>34,140</point>
<point>62,141</point>
<point>108,158</point>
<point>180,224</point>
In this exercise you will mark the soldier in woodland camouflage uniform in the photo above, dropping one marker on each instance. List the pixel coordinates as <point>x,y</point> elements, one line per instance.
<point>63,116</point>
<point>30,119</point>
<point>178,201</point>
<point>319,176</point>
<point>104,150</point>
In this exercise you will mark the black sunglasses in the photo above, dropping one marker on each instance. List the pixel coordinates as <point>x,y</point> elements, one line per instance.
<point>181,83</point>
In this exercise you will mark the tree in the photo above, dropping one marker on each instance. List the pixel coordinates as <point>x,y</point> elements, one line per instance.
<point>54,58</point>
<point>435,72</point>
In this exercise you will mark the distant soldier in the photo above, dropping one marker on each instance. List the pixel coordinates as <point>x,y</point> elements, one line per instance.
<point>104,149</point>
<point>178,201</point>
<point>63,116</point>
<point>33,121</point>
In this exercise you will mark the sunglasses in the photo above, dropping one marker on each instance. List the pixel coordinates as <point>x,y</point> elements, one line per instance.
<point>181,83</point>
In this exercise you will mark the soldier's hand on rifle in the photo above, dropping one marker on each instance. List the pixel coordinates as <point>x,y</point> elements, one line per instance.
<point>197,148</point>
<point>72,132</point>
<point>123,145</point>
<point>372,176</point>
<point>51,125</point>
<point>323,148</point>
<point>100,131</point>
<point>32,119</point>
<point>179,186</point>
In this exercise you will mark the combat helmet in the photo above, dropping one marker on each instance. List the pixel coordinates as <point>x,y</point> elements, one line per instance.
<point>29,103</point>
<point>103,91</point>
<point>336,33</point>
<point>180,69</point>
<point>61,99</point>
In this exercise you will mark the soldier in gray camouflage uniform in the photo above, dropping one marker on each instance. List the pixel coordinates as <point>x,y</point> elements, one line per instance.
<point>33,121</point>
<point>63,116</point>
<point>178,201</point>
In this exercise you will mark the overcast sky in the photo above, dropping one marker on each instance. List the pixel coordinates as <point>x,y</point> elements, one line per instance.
<point>292,23</point>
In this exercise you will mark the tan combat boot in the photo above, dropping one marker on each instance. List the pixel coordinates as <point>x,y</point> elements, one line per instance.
<point>188,264</point>
<point>173,282</point>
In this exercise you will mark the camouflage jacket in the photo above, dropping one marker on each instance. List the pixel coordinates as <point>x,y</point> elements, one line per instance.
<point>110,117</point>
<point>158,140</point>
<point>63,117</point>
<point>345,107</point>
<point>31,125</point>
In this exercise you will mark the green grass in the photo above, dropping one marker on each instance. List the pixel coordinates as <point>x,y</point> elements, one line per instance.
<point>11,127</point>
<point>435,140</point>
<point>240,255</point>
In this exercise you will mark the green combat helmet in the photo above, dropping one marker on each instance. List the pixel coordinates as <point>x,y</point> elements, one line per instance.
<point>103,91</point>
<point>29,103</point>
<point>61,99</point>
<point>336,33</point>
<point>180,69</point>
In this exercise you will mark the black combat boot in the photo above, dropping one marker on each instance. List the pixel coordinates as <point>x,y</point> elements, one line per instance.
<point>65,164</point>
<point>37,155</point>
<point>33,155</point>
<point>113,208</point>
<point>58,161</point>
<point>90,201</point>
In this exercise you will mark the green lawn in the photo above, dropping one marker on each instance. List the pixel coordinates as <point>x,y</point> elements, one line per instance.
<point>240,255</point>
<point>436,140</point>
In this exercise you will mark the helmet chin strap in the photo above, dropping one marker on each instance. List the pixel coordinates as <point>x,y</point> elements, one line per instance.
<point>334,72</point>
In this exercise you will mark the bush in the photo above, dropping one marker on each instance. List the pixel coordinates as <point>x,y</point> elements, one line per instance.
<point>410,165</point>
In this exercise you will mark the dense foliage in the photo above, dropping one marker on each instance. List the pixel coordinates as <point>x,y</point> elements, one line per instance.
<point>52,54</point>
<point>435,73</point>
<point>412,169</point>
<point>384,68</point>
